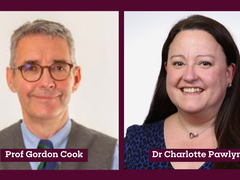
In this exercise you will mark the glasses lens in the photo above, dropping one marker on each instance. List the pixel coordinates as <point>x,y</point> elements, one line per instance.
<point>31,72</point>
<point>60,71</point>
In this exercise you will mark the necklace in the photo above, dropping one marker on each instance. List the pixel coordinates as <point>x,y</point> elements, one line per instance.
<point>191,134</point>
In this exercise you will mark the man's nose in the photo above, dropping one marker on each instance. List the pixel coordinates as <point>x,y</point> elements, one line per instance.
<point>190,73</point>
<point>46,79</point>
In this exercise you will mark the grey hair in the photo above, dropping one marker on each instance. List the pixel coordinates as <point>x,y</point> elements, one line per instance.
<point>42,27</point>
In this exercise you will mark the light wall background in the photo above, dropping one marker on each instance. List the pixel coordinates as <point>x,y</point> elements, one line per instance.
<point>95,104</point>
<point>144,36</point>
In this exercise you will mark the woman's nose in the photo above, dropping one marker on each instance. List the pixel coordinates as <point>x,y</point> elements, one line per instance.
<point>190,74</point>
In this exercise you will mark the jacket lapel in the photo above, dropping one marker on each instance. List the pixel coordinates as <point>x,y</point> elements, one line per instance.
<point>78,139</point>
<point>17,144</point>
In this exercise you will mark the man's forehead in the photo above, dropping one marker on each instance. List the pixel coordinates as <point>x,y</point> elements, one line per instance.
<point>38,48</point>
<point>41,40</point>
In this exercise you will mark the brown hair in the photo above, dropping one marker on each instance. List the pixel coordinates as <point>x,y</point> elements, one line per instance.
<point>227,124</point>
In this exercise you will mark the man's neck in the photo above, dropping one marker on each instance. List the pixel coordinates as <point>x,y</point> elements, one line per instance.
<point>45,128</point>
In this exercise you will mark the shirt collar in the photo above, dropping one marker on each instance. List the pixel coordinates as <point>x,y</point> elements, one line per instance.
<point>59,139</point>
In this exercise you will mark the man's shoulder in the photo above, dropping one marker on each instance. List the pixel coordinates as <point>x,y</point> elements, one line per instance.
<point>8,135</point>
<point>8,131</point>
<point>83,132</point>
<point>100,146</point>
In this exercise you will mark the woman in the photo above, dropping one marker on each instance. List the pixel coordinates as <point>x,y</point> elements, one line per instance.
<point>196,101</point>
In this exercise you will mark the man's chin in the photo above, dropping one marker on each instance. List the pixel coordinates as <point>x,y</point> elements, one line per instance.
<point>45,116</point>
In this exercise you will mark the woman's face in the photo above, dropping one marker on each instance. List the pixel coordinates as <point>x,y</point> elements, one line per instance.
<point>197,73</point>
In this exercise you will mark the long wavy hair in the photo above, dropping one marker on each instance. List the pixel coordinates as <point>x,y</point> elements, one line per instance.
<point>227,124</point>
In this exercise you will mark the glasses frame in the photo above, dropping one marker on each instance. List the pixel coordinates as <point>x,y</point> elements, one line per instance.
<point>42,68</point>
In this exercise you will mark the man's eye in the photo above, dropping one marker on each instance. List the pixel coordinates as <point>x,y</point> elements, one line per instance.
<point>29,67</point>
<point>59,68</point>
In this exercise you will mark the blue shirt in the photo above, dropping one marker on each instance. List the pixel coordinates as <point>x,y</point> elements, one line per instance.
<point>59,141</point>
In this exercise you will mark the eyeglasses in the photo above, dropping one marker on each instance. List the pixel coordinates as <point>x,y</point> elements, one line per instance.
<point>32,72</point>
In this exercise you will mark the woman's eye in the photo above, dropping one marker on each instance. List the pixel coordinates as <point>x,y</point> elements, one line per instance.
<point>205,63</point>
<point>178,64</point>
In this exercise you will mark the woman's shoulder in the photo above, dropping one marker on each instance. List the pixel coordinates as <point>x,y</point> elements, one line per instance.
<point>145,129</point>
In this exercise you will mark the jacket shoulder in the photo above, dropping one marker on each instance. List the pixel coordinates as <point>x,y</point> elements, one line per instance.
<point>100,147</point>
<point>88,135</point>
<point>10,134</point>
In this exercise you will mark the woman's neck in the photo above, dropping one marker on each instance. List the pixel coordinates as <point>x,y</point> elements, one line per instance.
<point>195,121</point>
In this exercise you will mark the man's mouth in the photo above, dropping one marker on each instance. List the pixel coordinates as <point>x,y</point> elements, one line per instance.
<point>45,97</point>
<point>191,90</point>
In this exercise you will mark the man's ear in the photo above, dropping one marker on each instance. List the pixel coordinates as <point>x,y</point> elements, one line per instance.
<point>77,78</point>
<point>10,81</point>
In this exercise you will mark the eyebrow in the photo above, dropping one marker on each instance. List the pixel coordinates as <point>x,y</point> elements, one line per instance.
<point>31,61</point>
<point>206,55</point>
<point>59,61</point>
<point>180,55</point>
<point>198,56</point>
<point>38,62</point>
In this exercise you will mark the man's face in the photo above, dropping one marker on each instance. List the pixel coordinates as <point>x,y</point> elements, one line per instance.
<point>45,98</point>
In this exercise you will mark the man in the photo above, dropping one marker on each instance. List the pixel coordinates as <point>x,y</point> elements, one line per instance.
<point>44,74</point>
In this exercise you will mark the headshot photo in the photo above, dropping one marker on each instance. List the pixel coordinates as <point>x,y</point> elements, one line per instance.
<point>59,86</point>
<point>182,77</point>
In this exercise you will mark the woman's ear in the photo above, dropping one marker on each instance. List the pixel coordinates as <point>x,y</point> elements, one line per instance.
<point>230,72</point>
<point>165,65</point>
